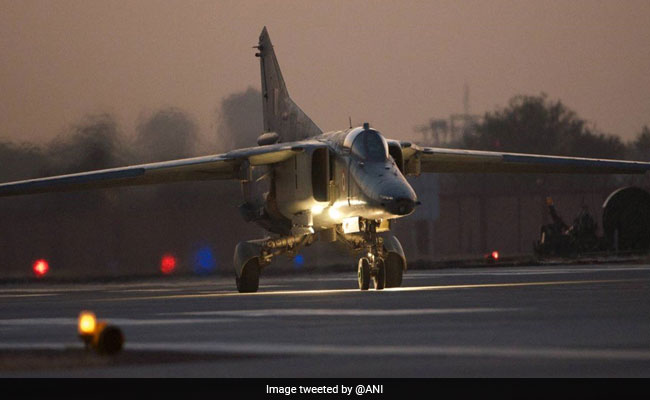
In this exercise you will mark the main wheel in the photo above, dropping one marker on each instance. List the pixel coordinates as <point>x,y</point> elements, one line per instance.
<point>364,273</point>
<point>249,281</point>
<point>394,270</point>
<point>379,278</point>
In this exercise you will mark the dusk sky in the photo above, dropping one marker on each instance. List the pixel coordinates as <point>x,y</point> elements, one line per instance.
<point>395,64</point>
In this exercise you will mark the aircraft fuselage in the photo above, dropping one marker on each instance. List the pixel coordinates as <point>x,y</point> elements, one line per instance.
<point>338,177</point>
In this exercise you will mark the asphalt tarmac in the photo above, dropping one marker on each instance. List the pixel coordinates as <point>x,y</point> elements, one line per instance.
<point>537,321</point>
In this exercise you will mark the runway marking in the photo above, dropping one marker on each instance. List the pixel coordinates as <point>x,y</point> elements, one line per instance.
<point>410,351</point>
<point>40,346</point>
<point>513,284</point>
<point>370,292</point>
<point>226,294</point>
<point>342,312</point>
<point>289,349</point>
<point>525,271</point>
<point>117,321</point>
<point>229,316</point>
<point>144,290</point>
<point>12,296</point>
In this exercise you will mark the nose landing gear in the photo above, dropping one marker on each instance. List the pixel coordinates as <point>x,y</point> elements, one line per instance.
<point>371,266</point>
<point>382,261</point>
<point>374,270</point>
<point>379,276</point>
<point>364,273</point>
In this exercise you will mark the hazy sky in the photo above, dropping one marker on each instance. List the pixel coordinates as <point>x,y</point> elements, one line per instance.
<point>393,63</point>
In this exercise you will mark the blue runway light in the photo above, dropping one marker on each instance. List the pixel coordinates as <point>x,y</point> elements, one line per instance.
<point>204,261</point>
<point>298,261</point>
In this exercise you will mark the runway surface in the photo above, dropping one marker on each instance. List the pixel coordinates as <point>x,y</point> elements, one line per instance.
<point>556,321</point>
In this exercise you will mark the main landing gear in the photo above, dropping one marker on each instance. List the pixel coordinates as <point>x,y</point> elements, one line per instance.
<point>253,255</point>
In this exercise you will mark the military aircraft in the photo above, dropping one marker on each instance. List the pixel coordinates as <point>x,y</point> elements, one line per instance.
<point>302,185</point>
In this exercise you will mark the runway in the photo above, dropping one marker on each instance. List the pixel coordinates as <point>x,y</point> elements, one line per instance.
<point>554,321</point>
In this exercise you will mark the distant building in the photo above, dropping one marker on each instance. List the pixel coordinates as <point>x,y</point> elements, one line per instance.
<point>440,132</point>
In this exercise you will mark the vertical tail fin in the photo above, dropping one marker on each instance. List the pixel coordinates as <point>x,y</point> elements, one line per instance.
<point>281,114</point>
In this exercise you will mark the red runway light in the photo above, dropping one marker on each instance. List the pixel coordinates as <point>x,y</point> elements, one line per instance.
<point>495,255</point>
<point>40,268</point>
<point>167,264</point>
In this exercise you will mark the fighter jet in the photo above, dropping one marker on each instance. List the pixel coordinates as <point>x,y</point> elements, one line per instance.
<point>302,185</point>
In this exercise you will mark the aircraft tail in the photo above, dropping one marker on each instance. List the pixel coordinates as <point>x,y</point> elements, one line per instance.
<point>281,114</point>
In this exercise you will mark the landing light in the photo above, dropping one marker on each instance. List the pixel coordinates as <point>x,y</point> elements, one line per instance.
<point>317,209</point>
<point>334,213</point>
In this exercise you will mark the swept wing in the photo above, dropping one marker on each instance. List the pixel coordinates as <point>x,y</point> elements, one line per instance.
<point>231,165</point>
<point>435,159</point>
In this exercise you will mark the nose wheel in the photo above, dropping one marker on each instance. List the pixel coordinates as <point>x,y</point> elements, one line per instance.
<point>367,272</point>
<point>364,273</point>
<point>379,276</point>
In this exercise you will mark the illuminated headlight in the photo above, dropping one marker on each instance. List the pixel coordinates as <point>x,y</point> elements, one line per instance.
<point>317,209</point>
<point>334,213</point>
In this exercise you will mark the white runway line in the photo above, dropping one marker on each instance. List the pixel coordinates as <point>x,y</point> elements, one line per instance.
<point>17,296</point>
<point>554,353</point>
<point>72,322</point>
<point>523,271</point>
<point>237,315</point>
<point>289,349</point>
<point>410,351</point>
<point>310,292</point>
<point>341,312</point>
<point>38,321</point>
<point>41,346</point>
<point>145,290</point>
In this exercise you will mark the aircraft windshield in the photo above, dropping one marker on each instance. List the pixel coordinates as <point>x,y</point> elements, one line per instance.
<point>369,146</point>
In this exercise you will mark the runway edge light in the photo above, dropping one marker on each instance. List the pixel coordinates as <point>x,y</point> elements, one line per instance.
<point>168,263</point>
<point>103,338</point>
<point>40,267</point>
<point>87,323</point>
<point>492,257</point>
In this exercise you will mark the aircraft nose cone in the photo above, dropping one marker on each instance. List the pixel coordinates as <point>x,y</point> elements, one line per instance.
<point>401,206</point>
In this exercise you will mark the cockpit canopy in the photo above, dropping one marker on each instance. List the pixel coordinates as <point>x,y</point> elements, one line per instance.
<point>367,144</point>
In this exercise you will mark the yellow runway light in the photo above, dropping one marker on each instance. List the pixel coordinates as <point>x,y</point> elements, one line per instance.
<point>104,338</point>
<point>87,323</point>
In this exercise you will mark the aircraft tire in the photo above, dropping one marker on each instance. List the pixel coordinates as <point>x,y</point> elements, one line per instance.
<point>364,273</point>
<point>249,281</point>
<point>380,277</point>
<point>394,270</point>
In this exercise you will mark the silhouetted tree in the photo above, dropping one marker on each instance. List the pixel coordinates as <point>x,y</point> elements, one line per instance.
<point>240,119</point>
<point>534,124</point>
<point>168,134</point>
<point>95,143</point>
<point>20,161</point>
<point>639,149</point>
